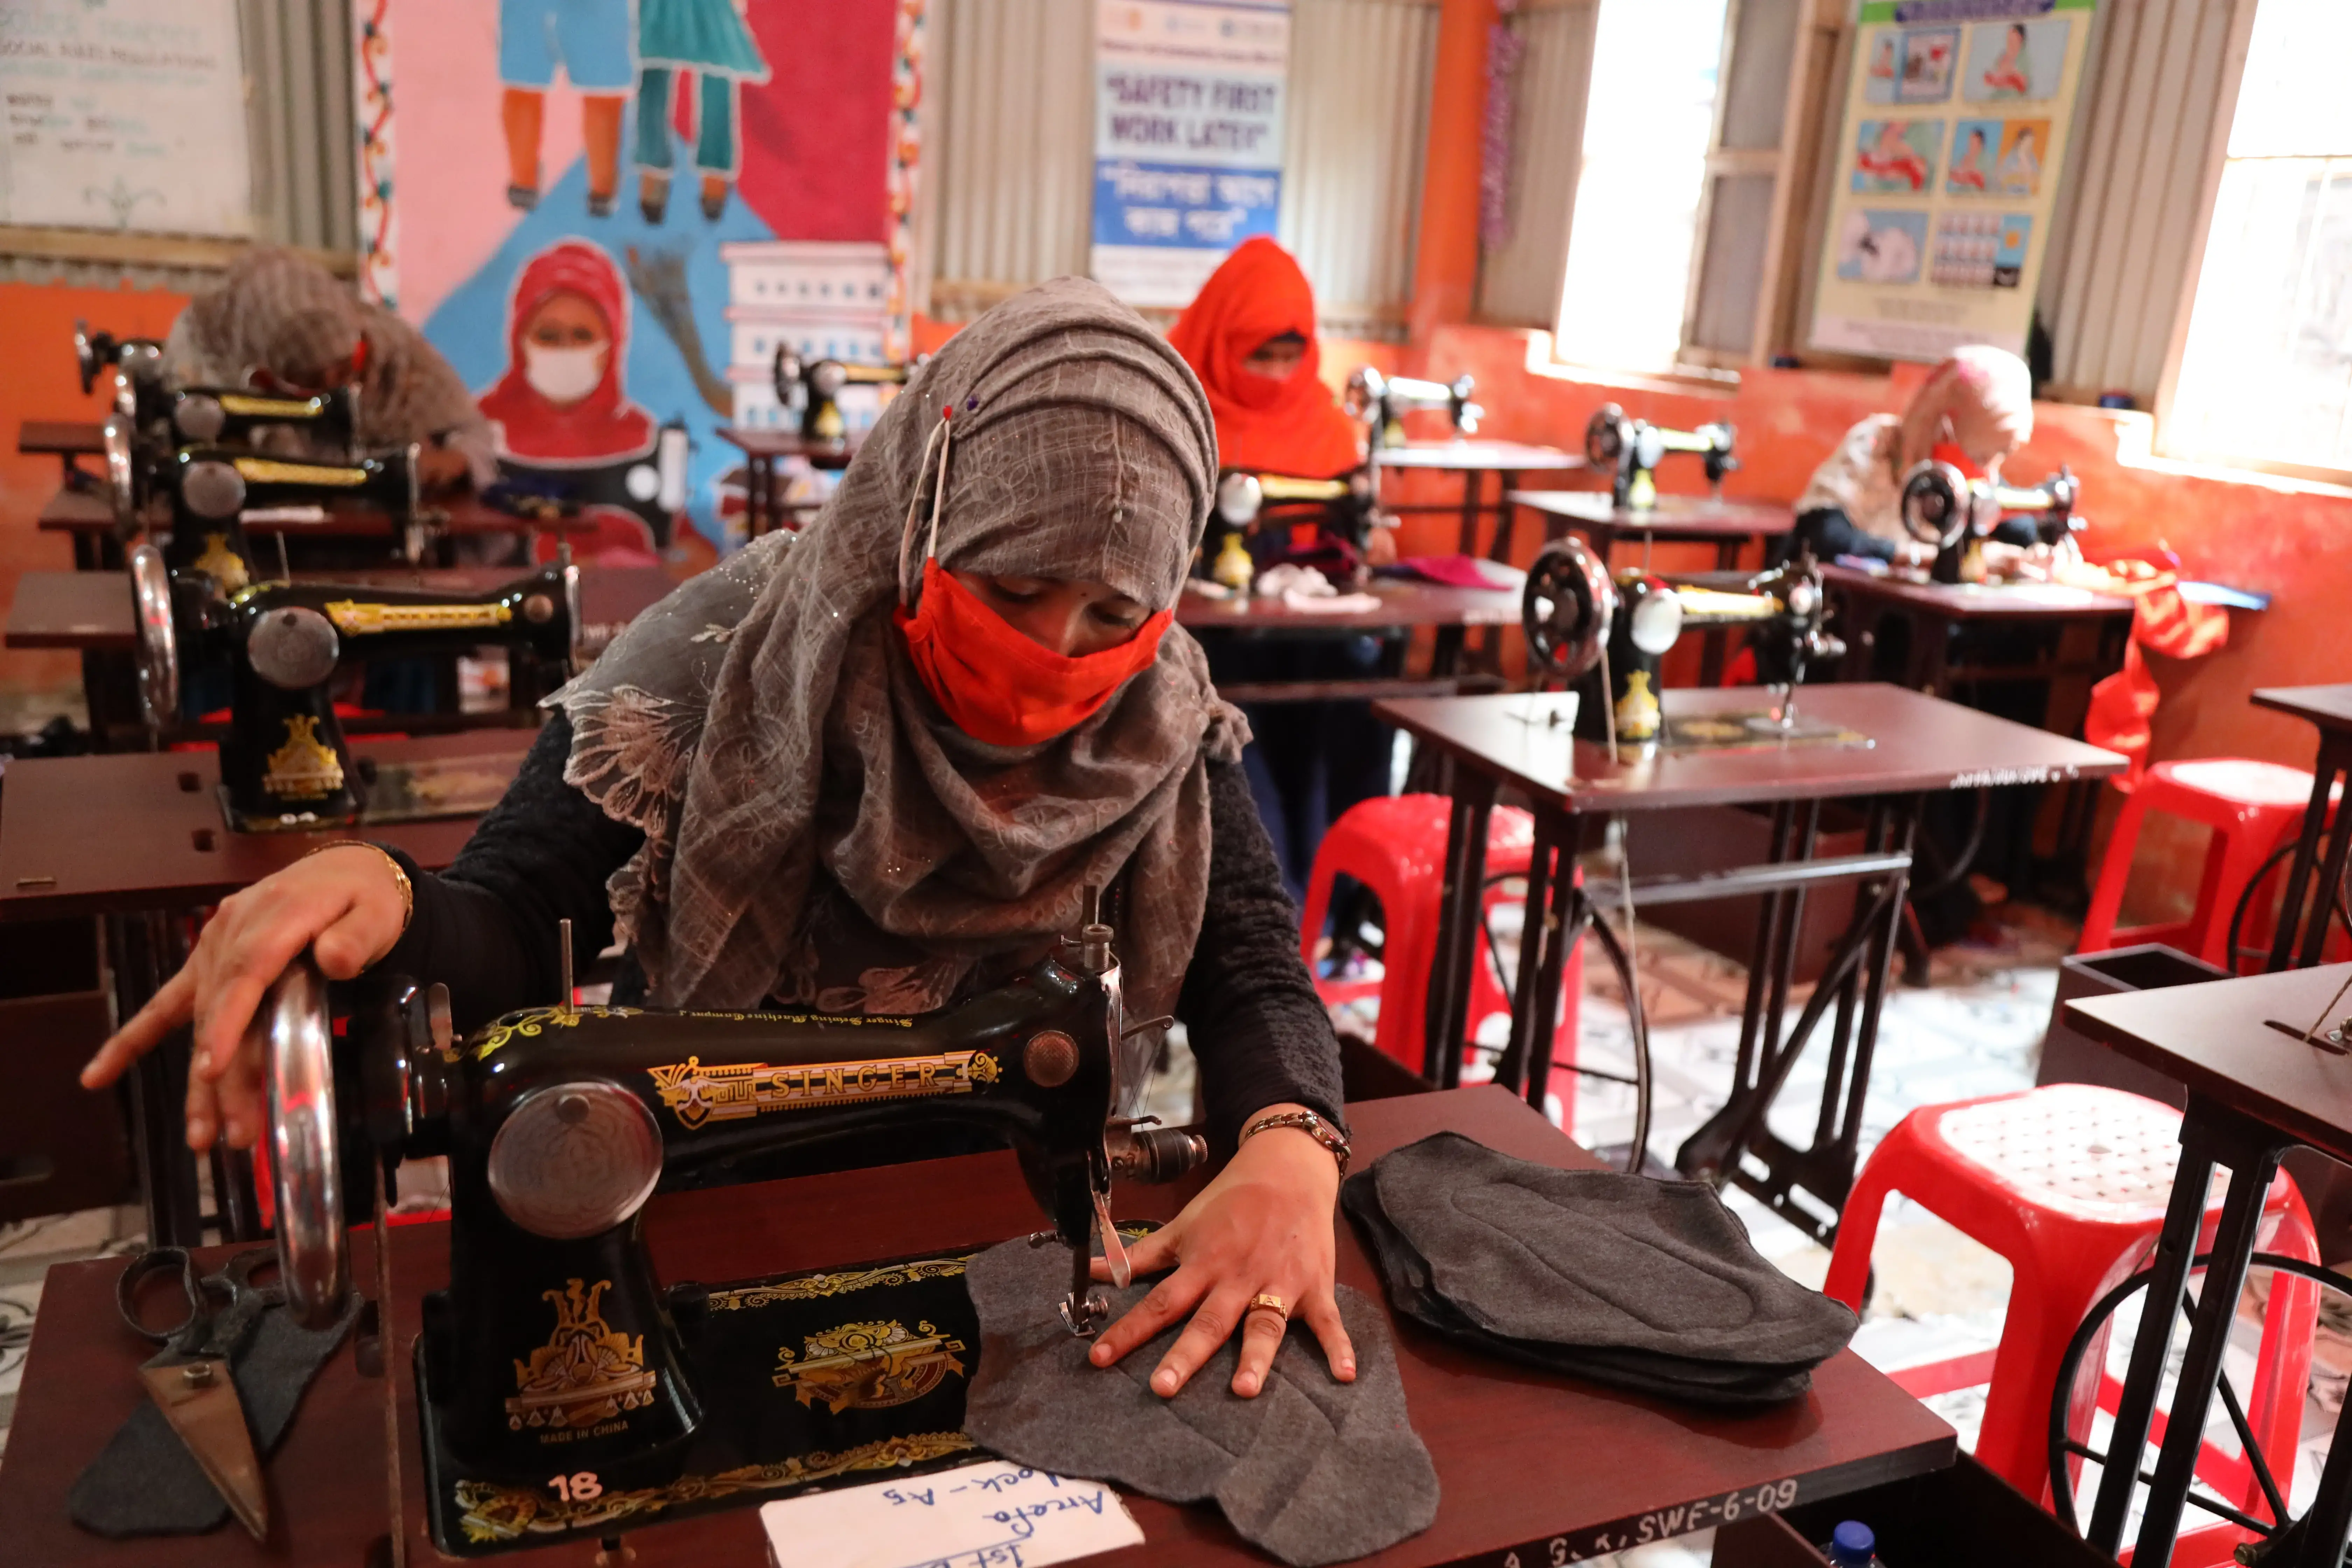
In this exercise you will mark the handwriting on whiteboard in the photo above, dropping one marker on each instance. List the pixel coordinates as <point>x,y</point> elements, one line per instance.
<point>990,1515</point>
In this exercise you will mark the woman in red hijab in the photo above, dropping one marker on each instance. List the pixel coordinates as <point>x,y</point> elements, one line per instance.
<point>1249,335</point>
<point>561,402</point>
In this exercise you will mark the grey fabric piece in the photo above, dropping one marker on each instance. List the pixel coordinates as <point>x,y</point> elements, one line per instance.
<point>145,1482</point>
<point>769,730</point>
<point>1312,1470</point>
<point>1724,1384</point>
<point>1598,1259</point>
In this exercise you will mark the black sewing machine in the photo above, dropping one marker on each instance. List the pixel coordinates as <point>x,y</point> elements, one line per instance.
<point>1629,450</point>
<point>283,764</point>
<point>1383,401</point>
<point>556,1350</point>
<point>213,491</point>
<point>1946,508</point>
<point>1257,520</point>
<point>814,387</point>
<point>136,361</point>
<point>1608,638</point>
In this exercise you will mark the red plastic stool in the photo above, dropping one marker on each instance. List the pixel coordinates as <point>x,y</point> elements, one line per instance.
<point>2069,1183</point>
<point>1395,845</point>
<point>2249,805</point>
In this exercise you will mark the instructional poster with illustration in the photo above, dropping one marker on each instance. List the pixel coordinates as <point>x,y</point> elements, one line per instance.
<point>1954,130</point>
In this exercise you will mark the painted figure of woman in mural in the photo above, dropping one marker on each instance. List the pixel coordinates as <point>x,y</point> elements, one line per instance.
<point>1969,170</point>
<point>590,38</point>
<point>1892,161</point>
<point>707,41</point>
<point>2021,167</point>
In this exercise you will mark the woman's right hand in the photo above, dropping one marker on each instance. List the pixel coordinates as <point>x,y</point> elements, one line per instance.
<point>346,905</point>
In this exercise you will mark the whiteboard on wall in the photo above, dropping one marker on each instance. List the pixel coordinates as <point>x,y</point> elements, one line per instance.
<point>124,115</point>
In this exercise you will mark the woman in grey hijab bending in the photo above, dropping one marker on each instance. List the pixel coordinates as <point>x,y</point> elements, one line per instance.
<point>870,768</point>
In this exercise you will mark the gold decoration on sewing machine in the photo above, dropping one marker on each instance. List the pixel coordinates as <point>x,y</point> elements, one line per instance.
<point>243,404</point>
<point>868,1366</point>
<point>304,767</point>
<point>273,470</point>
<point>1284,487</point>
<point>490,1513</point>
<point>735,1090</point>
<point>818,1286</point>
<point>222,565</point>
<point>1637,710</point>
<point>528,1024</point>
<point>586,1373</point>
<point>353,618</point>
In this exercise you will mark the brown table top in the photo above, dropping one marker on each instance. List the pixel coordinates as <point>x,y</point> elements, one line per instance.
<point>1483,456</point>
<point>461,515</point>
<point>1918,743</point>
<point>2216,1038</point>
<point>1674,518</point>
<point>2329,707</point>
<point>90,611</point>
<point>1402,603</point>
<point>142,830</point>
<point>1552,1468</point>
<point>61,438</point>
<point>1980,601</point>
<point>777,443</point>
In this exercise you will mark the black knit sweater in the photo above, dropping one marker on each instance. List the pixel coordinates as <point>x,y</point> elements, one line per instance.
<point>487,929</point>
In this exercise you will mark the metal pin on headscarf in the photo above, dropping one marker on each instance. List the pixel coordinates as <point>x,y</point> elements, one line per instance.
<point>941,434</point>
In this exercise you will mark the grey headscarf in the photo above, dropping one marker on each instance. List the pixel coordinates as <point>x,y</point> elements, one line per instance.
<point>279,310</point>
<point>764,724</point>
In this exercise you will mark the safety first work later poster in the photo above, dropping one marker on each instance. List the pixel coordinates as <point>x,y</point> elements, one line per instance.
<point>1954,130</point>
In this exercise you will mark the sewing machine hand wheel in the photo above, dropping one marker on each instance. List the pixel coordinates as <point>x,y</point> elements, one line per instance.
<point>121,487</point>
<point>159,648</point>
<point>297,1038</point>
<point>1937,504</point>
<point>1605,437</point>
<point>1566,609</point>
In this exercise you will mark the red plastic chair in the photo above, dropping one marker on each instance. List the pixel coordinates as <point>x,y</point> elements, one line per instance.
<point>1395,846</point>
<point>2069,1183</point>
<point>2250,806</point>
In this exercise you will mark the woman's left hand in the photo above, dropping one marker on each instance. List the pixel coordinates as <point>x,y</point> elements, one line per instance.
<point>1265,1226</point>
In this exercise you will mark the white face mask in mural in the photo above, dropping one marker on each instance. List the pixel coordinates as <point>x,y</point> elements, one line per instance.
<point>563,375</point>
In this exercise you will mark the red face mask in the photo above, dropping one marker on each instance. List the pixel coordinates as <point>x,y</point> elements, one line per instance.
<point>997,685</point>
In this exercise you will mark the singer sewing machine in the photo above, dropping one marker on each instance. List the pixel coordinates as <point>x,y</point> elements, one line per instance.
<point>1264,520</point>
<point>1607,637</point>
<point>556,1348</point>
<point>1383,401</point>
<point>814,387</point>
<point>1630,450</point>
<point>1946,508</point>
<point>215,490</point>
<point>136,361</point>
<point>283,764</point>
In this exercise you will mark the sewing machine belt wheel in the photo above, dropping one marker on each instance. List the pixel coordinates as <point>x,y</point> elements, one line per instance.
<point>575,1159</point>
<point>198,417</point>
<point>293,649</point>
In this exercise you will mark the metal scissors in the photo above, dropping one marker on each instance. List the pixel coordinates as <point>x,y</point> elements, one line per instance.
<point>189,1378</point>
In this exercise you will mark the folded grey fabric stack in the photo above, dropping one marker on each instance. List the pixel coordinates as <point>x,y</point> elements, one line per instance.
<point>1643,1285</point>
<point>1312,1470</point>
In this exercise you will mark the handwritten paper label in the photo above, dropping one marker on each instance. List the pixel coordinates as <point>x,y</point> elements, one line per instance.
<point>994,1515</point>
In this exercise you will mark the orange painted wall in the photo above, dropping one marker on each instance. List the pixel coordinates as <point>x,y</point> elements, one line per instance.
<point>37,345</point>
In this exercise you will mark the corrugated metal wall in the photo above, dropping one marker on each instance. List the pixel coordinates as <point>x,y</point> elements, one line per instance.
<point>1519,281</point>
<point>1012,163</point>
<point>298,66</point>
<point>1010,145</point>
<point>1358,124</point>
<point>2132,202</point>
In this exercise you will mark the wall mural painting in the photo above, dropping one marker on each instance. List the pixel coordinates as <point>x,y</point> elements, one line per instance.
<point>610,213</point>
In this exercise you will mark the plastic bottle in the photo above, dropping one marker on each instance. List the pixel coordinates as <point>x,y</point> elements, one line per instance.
<point>1853,1545</point>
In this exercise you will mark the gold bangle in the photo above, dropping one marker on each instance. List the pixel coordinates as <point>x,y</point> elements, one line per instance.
<point>399,877</point>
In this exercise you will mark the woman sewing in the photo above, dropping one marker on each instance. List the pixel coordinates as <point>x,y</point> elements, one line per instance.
<point>1249,335</point>
<point>870,769</point>
<point>1972,412</point>
<point>281,320</point>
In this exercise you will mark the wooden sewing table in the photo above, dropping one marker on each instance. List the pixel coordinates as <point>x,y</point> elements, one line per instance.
<point>1535,1468</point>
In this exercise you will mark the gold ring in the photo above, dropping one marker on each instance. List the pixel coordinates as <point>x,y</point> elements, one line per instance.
<point>1268,1301</point>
